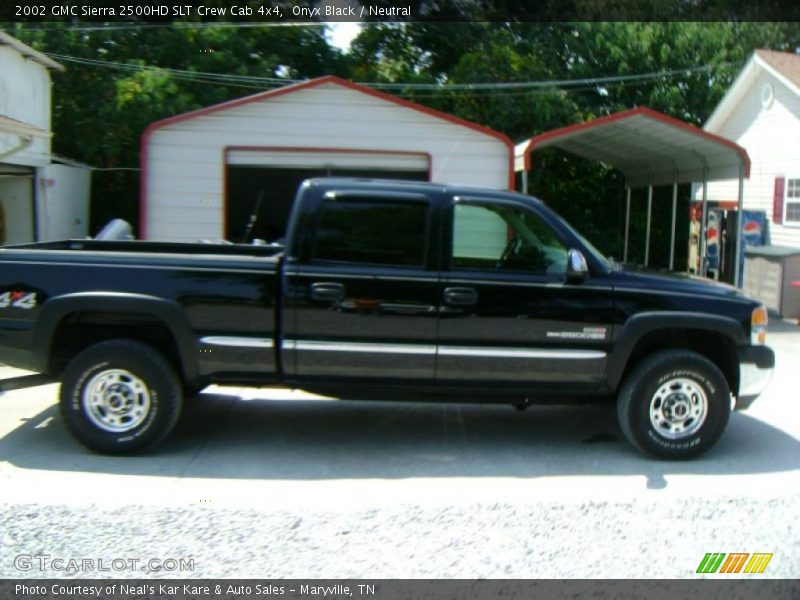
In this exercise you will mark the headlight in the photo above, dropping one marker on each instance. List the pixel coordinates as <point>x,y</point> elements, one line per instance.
<point>758,326</point>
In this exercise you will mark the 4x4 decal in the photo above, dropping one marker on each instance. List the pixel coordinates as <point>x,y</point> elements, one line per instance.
<point>24,300</point>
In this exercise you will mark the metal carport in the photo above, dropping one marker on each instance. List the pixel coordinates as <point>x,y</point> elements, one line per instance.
<point>649,148</point>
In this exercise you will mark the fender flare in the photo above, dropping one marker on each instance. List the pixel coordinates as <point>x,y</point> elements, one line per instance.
<point>642,324</point>
<point>171,314</point>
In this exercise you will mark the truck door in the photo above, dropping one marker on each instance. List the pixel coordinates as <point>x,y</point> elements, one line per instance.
<point>508,314</point>
<point>361,298</point>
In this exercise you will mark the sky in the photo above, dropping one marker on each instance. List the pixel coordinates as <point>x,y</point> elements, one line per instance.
<point>342,33</point>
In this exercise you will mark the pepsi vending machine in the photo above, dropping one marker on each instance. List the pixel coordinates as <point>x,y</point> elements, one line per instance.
<point>721,226</point>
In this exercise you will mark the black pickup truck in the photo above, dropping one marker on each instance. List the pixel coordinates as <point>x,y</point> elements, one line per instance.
<point>384,289</point>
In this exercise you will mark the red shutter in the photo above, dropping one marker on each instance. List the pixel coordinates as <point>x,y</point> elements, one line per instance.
<point>777,200</point>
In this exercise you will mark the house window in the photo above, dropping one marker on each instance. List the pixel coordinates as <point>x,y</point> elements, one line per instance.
<point>791,207</point>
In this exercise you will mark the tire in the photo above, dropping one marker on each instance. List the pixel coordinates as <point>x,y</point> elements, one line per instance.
<point>120,397</point>
<point>674,405</point>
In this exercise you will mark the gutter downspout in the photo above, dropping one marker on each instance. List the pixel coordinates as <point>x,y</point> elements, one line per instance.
<point>704,224</point>
<point>739,267</point>
<point>674,210</point>
<point>649,218</point>
<point>627,224</point>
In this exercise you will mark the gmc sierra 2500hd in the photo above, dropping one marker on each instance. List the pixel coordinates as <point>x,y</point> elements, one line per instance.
<point>385,289</point>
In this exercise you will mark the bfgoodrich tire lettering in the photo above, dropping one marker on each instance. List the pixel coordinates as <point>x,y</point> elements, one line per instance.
<point>120,397</point>
<point>674,405</point>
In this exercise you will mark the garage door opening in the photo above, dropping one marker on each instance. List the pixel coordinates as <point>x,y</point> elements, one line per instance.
<point>17,218</point>
<point>261,184</point>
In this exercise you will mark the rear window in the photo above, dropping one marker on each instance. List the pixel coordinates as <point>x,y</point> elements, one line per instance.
<point>372,232</point>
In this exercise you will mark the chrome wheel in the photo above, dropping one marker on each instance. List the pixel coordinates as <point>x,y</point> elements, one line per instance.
<point>116,400</point>
<point>678,408</point>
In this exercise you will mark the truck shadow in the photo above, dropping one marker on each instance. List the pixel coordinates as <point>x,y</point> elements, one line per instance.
<point>226,437</point>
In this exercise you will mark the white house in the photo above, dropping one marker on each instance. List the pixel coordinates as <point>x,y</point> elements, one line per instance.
<point>206,173</point>
<point>761,112</point>
<point>41,197</point>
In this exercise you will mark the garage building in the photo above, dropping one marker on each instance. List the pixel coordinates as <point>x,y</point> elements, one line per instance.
<point>205,173</point>
<point>42,196</point>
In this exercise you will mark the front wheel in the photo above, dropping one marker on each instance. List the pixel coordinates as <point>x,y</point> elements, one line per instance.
<point>674,405</point>
<point>120,397</point>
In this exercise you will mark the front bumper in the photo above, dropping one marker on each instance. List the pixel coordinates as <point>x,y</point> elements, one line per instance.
<point>755,372</point>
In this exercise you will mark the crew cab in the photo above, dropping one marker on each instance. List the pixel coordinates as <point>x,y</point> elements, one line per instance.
<point>383,290</point>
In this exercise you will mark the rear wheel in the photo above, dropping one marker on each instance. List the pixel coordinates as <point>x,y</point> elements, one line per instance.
<point>120,397</point>
<point>674,405</point>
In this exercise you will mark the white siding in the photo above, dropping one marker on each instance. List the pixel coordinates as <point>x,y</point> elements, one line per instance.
<point>24,96</point>
<point>63,203</point>
<point>16,201</point>
<point>771,137</point>
<point>185,160</point>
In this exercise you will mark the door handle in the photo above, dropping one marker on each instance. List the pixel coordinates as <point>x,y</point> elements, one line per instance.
<point>327,291</point>
<point>461,296</point>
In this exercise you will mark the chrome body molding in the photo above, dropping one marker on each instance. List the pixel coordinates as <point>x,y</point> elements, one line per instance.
<point>237,342</point>
<point>429,350</point>
<point>542,353</point>
<point>372,348</point>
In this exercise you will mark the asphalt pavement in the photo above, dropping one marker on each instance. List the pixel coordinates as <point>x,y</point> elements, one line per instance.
<point>279,484</point>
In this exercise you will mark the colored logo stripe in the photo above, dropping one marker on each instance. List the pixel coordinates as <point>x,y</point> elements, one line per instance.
<point>758,563</point>
<point>711,562</point>
<point>734,562</point>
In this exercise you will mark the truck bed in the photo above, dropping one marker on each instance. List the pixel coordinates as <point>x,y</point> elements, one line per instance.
<point>68,290</point>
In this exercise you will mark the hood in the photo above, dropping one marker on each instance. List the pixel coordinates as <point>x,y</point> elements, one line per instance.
<point>642,277</point>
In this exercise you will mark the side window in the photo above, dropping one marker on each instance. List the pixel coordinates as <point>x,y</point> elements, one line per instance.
<point>792,204</point>
<point>372,232</point>
<point>503,237</point>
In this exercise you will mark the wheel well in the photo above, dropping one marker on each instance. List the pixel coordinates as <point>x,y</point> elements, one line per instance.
<point>82,329</point>
<point>715,346</point>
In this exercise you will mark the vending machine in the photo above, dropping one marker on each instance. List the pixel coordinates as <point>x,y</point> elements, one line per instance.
<point>722,221</point>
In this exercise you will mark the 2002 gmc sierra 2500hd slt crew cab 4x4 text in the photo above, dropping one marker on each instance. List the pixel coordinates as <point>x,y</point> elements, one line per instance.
<point>385,290</point>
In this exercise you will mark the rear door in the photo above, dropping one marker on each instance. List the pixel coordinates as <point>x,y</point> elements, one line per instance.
<point>361,299</point>
<point>508,314</point>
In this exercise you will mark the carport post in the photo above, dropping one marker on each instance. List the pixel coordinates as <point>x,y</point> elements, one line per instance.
<point>737,278</point>
<point>627,224</point>
<point>703,223</point>
<point>524,182</point>
<point>649,215</point>
<point>674,209</point>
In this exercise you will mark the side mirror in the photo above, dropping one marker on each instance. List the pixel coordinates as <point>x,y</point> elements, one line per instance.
<point>577,269</point>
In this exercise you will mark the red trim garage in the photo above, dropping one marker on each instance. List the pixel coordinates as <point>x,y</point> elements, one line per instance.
<point>230,171</point>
